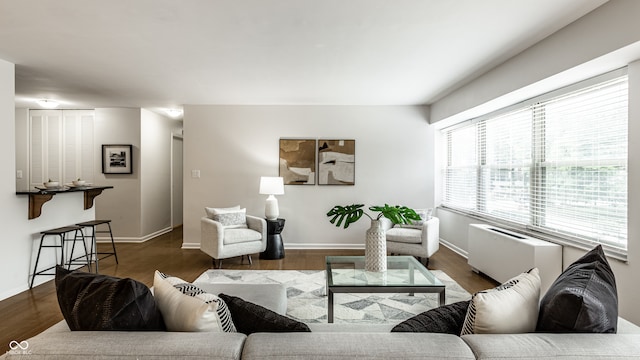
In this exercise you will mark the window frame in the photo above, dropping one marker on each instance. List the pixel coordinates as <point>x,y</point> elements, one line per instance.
<point>537,171</point>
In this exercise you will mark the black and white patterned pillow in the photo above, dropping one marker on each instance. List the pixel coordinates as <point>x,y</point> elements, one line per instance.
<point>223,317</point>
<point>229,217</point>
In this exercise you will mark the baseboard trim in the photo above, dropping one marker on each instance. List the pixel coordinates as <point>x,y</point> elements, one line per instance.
<point>454,248</point>
<point>190,246</point>
<point>134,239</point>
<point>303,246</point>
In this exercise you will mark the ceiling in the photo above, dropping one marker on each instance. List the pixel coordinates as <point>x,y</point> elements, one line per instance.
<point>160,54</point>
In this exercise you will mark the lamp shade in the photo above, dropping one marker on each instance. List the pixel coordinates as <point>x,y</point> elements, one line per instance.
<point>271,185</point>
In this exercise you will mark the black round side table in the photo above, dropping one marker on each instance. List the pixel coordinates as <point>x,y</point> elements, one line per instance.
<point>275,248</point>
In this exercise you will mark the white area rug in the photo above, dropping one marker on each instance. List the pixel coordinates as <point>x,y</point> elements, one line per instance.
<point>307,301</point>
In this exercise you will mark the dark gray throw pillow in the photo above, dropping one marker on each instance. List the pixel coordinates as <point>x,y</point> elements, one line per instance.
<point>446,319</point>
<point>92,302</point>
<point>582,299</point>
<point>251,318</point>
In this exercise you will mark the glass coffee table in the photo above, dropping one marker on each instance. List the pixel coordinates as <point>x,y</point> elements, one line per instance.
<point>405,274</point>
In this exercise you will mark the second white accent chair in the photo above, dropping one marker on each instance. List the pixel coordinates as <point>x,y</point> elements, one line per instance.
<point>421,239</point>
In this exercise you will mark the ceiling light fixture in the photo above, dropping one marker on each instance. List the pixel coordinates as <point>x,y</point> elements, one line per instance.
<point>47,103</point>
<point>174,113</point>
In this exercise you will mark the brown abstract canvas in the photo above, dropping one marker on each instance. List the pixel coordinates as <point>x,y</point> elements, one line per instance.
<point>336,162</point>
<point>298,161</point>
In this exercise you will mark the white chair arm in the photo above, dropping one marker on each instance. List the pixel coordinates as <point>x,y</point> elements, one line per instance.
<point>260,225</point>
<point>211,237</point>
<point>386,223</point>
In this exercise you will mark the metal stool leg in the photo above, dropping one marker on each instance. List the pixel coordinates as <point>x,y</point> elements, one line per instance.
<point>94,245</point>
<point>73,248</point>
<point>84,243</point>
<point>113,244</point>
<point>35,267</point>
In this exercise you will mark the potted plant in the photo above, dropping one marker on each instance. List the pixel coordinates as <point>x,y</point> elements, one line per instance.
<point>375,252</point>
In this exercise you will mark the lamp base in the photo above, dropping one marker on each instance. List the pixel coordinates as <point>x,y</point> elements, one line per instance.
<point>271,211</point>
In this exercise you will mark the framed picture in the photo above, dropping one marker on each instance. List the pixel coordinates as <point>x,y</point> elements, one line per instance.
<point>336,162</point>
<point>117,159</point>
<point>298,161</point>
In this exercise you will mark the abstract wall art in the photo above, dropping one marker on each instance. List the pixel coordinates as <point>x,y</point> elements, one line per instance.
<point>336,162</point>
<point>298,161</point>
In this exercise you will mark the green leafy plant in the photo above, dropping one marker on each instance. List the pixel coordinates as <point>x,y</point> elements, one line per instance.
<point>347,215</point>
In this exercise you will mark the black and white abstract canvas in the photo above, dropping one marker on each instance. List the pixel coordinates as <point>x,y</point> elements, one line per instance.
<point>336,162</point>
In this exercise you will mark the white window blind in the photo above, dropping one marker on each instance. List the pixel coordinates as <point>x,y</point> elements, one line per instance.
<point>554,164</point>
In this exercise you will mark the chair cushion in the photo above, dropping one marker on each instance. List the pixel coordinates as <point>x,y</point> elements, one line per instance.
<point>236,236</point>
<point>404,235</point>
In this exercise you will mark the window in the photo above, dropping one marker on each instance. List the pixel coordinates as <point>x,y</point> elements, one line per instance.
<point>556,164</point>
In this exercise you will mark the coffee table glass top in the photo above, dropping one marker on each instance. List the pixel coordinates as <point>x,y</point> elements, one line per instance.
<point>348,271</point>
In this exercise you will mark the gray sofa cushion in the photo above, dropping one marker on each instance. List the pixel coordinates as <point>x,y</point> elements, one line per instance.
<point>554,346</point>
<point>348,346</point>
<point>583,298</point>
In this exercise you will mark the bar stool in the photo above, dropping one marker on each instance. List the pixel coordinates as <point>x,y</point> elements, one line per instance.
<point>61,233</point>
<point>94,246</point>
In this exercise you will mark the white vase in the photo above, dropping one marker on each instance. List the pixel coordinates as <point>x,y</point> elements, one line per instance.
<point>375,251</point>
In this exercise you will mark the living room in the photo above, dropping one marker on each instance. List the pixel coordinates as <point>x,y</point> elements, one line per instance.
<point>398,148</point>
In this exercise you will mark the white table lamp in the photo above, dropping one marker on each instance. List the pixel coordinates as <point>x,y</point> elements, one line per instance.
<point>271,186</point>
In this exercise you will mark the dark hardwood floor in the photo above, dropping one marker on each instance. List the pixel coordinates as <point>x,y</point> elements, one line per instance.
<point>30,312</point>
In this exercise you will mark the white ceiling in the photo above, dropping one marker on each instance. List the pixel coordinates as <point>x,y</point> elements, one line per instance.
<point>165,53</point>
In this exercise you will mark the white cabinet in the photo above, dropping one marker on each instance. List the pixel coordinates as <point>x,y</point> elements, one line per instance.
<point>61,145</point>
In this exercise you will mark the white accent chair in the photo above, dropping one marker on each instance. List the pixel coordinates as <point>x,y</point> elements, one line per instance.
<point>223,242</point>
<point>421,241</point>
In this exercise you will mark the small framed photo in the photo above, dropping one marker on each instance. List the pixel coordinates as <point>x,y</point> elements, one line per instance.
<point>117,159</point>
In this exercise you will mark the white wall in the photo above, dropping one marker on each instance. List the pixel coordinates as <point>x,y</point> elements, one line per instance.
<point>14,250</point>
<point>22,147</point>
<point>122,204</point>
<point>233,146</point>
<point>139,205</point>
<point>155,168</point>
<point>605,39</point>
<point>19,241</point>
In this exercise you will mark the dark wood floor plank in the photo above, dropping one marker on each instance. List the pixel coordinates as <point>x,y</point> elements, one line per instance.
<point>30,312</point>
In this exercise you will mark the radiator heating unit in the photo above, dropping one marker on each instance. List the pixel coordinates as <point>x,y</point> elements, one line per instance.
<point>502,254</point>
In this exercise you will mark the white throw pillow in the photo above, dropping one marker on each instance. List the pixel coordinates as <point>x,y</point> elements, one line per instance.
<point>185,307</point>
<point>510,308</point>
<point>233,217</point>
<point>215,211</point>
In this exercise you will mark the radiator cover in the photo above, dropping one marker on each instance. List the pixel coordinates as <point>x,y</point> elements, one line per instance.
<point>502,254</point>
